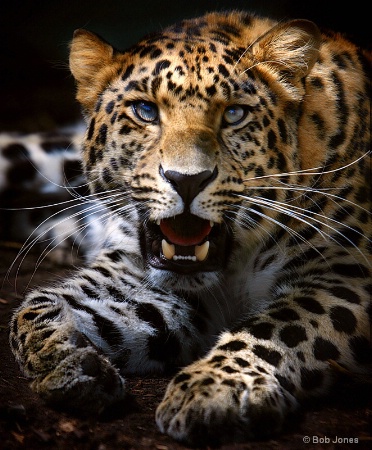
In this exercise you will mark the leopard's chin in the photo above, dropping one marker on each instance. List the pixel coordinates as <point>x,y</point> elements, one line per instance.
<point>185,244</point>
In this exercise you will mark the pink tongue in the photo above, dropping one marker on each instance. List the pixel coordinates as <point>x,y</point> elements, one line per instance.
<point>185,234</point>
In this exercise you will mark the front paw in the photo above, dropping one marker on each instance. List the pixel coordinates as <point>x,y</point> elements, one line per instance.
<point>84,381</point>
<point>209,405</point>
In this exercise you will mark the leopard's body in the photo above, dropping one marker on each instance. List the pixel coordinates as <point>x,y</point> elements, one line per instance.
<point>232,154</point>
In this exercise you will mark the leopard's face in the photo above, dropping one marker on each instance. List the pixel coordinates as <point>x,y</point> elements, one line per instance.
<point>187,130</point>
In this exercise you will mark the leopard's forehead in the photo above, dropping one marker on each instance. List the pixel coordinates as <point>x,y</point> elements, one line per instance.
<point>194,58</point>
<point>218,28</point>
<point>225,36</point>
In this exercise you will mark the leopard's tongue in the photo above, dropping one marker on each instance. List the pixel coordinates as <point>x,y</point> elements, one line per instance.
<point>185,229</point>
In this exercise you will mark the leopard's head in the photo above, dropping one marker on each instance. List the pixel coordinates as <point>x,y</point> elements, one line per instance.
<point>186,127</point>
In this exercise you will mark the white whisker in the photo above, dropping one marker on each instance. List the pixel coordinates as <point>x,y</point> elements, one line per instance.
<point>309,172</point>
<point>309,189</point>
<point>307,218</point>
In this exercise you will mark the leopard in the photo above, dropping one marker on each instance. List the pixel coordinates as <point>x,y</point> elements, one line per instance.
<point>230,154</point>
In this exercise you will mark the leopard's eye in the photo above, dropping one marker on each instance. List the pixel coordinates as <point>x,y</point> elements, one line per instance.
<point>234,114</point>
<point>146,111</point>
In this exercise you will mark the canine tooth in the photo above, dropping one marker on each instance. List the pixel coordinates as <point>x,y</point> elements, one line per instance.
<point>211,223</point>
<point>167,249</point>
<point>201,251</point>
<point>158,222</point>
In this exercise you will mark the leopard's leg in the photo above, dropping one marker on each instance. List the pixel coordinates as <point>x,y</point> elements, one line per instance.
<point>65,367</point>
<point>258,373</point>
<point>71,339</point>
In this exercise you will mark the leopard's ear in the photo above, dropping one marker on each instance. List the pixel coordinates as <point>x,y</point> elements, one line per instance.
<point>289,49</point>
<point>93,64</point>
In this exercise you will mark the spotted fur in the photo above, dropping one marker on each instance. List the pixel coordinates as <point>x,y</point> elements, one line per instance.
<point>232,153</point>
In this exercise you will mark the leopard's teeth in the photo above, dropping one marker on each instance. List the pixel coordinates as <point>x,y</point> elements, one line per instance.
<point>201,251</point>
<point>169,252</point>
<point>168,249</point>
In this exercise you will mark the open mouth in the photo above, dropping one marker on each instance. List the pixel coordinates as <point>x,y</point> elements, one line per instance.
<point>185,244</point>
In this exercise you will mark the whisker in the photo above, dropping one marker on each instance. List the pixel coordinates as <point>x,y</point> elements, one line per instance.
<point>60,212</point>
<point>308,189</point>
<point>94,206</point>
<point>30,242</point>
<point>247,221</point>
<point>290,230</point>
<point>309,172</point>
<point>79,198</point>
<point>50,247</point>
<point>300,216</point>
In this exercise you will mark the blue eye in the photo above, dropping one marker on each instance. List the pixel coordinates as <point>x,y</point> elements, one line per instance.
<point>146,111</point>
<point>234,114</point>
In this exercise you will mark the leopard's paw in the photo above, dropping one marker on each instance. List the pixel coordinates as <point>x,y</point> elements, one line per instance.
<point>210,405</point>
<point>84,380</point>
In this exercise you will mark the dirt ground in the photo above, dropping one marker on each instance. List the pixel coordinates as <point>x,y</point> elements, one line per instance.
<point>27,423</point>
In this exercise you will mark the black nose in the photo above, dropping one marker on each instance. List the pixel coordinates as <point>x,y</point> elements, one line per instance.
<point>189,186</point>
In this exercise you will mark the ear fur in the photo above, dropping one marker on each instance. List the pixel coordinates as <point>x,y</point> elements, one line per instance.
<point>93,64</point>
<point>289,49</point>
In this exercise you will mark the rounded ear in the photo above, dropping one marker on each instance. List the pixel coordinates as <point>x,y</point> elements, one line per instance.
<point>290,49</point>
<point>93,64</point>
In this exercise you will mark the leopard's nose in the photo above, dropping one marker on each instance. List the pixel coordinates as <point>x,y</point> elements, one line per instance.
<point>189,186</point>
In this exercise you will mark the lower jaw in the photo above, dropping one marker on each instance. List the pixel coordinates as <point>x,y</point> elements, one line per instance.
<point>182,282</point>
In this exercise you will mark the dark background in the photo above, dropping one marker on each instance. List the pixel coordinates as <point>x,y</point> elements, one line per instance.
<point>36,89</point>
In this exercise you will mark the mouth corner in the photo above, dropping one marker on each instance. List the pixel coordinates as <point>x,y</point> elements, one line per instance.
<point>185,244</point>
